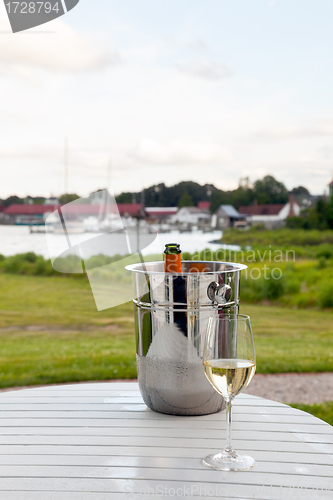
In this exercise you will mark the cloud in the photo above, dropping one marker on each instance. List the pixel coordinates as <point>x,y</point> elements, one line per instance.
<point>180,153</point>
<point>209,70</point>
<point>326,152</point>
<point>194,44</point>
<point>322,172</point>
<point>33,153</point>
<point>319,129</point>
<point>65,50</point>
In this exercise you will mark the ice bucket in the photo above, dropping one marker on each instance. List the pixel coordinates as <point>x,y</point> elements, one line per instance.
<point>171,317</point>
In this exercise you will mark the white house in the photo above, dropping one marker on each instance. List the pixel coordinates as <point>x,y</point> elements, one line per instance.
<point>161,214</point>
<point>192,216</point>
<point>272,215</point>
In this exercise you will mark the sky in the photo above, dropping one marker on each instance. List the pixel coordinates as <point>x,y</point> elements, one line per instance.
<point>149,91</point>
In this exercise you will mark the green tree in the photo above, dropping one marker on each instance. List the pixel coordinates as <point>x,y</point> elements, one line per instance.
<point>127,197</point>
<point>185,200</point>
<point>329,213</point>
<point>219,198</point>
<point>241,196</point>
<point>168,196</point>
<point>300,190</point>
<point>11,200</point>
<point>297,222</point>
<point>38,200</point>
<point>237,198</point>
<point>67,198</point>
<point>321,212</point>
<point>320,216</point>
<point>269,190</point>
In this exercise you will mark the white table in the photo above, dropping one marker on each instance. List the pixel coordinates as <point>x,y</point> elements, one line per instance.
<point>99,441</point>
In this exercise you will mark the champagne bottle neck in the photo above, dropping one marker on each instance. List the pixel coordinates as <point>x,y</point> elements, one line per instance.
<point>172,260</point>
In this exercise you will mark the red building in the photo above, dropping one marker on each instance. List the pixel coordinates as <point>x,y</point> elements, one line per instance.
<point>25,214</point>
<point>36,214</point>
<point>160,214</point>
<point>204,205</point>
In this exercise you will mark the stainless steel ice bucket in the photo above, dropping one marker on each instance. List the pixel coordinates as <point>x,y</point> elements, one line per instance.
<point>171,316</point>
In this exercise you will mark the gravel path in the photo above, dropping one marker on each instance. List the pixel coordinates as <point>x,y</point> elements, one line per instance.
<point>307,388</point>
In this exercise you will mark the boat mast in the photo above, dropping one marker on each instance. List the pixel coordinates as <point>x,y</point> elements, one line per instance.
<point>66,170</point>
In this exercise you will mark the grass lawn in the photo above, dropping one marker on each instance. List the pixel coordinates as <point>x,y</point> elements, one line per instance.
<point>33,358</point>
<point>291,340</point>
<point>323,411</point>
<point>39,300</point>
<point>51,332</point>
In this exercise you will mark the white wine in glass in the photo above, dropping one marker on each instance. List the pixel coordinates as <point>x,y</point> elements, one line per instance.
<point>229,363</point>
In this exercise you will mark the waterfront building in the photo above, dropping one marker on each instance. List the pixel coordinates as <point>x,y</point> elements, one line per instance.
<point>227,216</point>
<point>271,215</point>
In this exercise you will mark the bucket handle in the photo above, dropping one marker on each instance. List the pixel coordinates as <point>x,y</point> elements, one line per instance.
<point>219,293</point>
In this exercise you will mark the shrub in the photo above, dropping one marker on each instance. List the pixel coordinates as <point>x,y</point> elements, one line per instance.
<point>258,227</point>
<point>296,223</point>
<point>292,285</point>
<point>283,237</point>
<point>304,300</point>
<point>257,290</point>
<point>98,261</point>
<point>13,265</point>
<point>22,263</point>
<point>49,271</point>
<point>274,288</point>
<point>322,263</point>
<point>40,266</point>
<point>325,250</point>
<point>206,255</point>
<point>290,267</point>
<point>30,257</point>
<point>69,265</point>
<point>313,277</point>
<point>325,296</point>
<point>251,291</point>
<point>186,256</point>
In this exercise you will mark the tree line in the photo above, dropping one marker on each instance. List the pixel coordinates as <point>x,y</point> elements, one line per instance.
<point>36,200</point>
<point>189,193</point>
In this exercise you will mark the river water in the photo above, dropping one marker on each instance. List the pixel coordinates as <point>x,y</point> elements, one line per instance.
<point>18,239</point>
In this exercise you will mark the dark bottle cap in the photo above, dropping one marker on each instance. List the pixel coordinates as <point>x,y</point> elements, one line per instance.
<point>172,248</point>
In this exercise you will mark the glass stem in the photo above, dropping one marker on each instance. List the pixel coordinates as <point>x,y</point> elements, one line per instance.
<point>228,449</point>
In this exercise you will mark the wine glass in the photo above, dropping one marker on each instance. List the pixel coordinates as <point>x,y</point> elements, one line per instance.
<point>229,364</point>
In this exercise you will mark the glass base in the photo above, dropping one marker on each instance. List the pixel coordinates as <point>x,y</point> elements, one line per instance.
<point>226,461</point>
